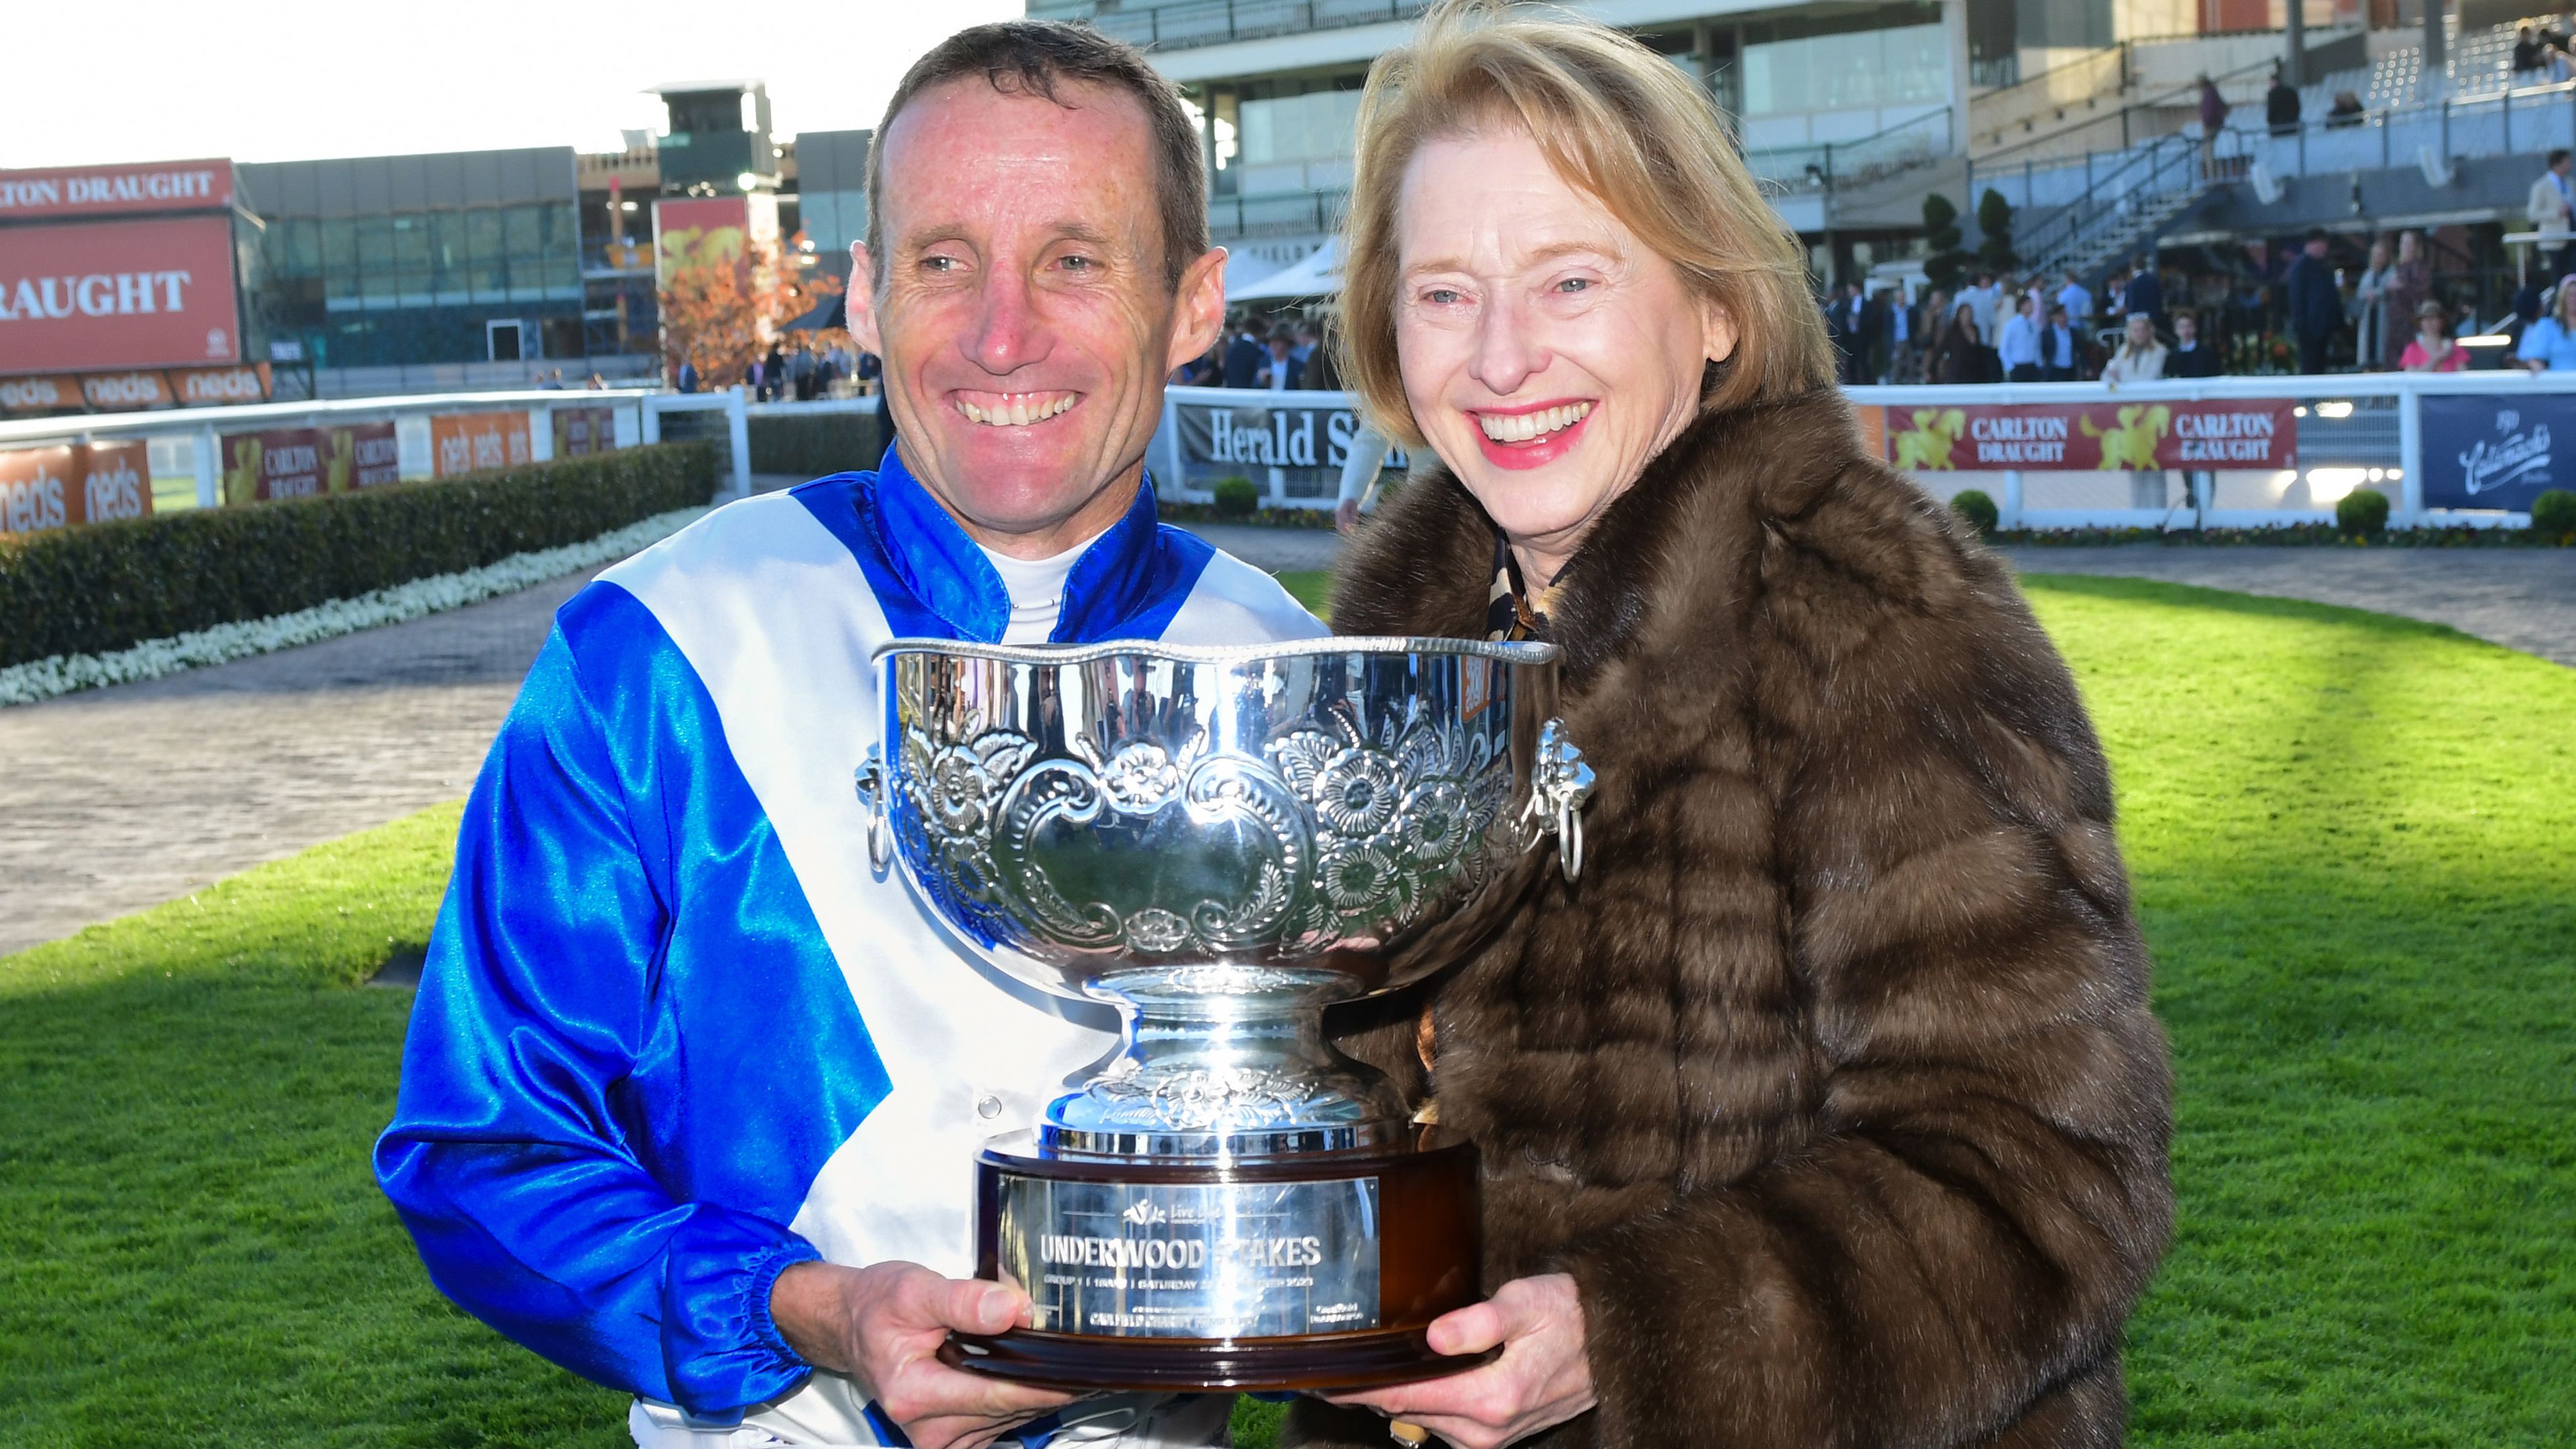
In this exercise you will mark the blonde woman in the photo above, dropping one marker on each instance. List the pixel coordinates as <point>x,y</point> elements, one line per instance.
<point>2141,358</point>
<point>1826,1108</point>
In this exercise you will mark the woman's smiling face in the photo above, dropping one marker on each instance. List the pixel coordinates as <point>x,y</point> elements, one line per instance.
<point>1548,355</point>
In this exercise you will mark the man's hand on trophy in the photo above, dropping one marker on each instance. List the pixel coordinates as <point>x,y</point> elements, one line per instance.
<point>1541,1380</point>
<point>883,1325</point>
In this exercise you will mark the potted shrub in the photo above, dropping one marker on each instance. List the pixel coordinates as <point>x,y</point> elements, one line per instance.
<point>1973,505</point>
<point>1236,498</point>
<point>2362,513</point>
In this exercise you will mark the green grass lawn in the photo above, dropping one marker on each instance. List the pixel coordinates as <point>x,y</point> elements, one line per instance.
<point>2354,840</point>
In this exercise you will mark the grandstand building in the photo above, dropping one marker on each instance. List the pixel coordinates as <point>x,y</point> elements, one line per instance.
<point>2084,115</point>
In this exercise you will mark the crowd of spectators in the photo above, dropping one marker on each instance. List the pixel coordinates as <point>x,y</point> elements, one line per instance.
<point>2312,309</point>
<point>1275,356</point>
<point>1996,328</point>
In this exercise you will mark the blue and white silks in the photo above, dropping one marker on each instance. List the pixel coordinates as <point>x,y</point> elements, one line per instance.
<point>673,1035</point>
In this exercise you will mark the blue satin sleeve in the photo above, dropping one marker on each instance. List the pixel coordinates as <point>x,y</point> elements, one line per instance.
<point>518,1156</point>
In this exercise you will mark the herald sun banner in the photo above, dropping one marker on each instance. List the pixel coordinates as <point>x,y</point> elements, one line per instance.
<point>47,488</point>
<point>128,294</point>
<point>2484,451</point>
<point>472,442</point>
<point>1264,434</point>
<point>2087,437</point>
<point>277,463</point>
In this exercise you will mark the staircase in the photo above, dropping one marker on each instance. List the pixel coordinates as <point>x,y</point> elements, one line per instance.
<point>2156,188</point>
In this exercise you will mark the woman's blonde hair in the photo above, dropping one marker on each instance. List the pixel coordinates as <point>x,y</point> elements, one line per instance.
<point>1619,123</point>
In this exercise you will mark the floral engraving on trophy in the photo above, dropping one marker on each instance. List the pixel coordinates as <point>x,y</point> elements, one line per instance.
<point>1196,1100</point>
<point>1392,817</point>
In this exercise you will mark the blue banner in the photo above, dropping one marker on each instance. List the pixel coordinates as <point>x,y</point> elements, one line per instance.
<point>2494,451</point>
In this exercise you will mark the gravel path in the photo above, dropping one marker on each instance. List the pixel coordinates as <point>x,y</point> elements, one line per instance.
<point>2522,598</point>
<point>122,798</point>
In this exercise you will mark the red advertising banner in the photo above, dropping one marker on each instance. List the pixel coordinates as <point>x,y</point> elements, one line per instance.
<point>265,467</point>
<point>118,294</point>
<point>471,442</point>
<point>281,463</point>
<point>580,432</point>
<point>361,455</point>
<point>40,394</point>
<point>111,190</point>
<point>46,488</point>
<point>2085,437</point>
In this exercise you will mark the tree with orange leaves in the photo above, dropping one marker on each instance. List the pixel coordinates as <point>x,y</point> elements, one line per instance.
<point>724,298</point>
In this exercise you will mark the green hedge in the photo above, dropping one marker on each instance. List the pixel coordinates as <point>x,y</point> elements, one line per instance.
<point>114,585</point>
<point>816,443</point>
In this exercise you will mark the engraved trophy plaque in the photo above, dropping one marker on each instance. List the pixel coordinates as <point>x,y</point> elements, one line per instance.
<point>1222,842</point>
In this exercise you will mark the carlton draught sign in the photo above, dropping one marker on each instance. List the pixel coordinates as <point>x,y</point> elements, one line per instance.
<point>2087,437</point>
<point>128,294</point>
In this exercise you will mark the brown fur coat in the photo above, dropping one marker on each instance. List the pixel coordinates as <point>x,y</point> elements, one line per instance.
<point>1832,1082</point>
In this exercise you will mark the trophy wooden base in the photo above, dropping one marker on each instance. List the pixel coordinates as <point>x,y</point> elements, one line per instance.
<point>1084,1362</point>
<point>1424,1237</point>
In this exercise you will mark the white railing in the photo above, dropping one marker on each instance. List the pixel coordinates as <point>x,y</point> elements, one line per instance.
<point>2355,430</point>
<point>640,417</point>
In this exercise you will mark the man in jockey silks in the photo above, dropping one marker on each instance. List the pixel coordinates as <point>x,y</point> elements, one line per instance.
<point>691,1095</point>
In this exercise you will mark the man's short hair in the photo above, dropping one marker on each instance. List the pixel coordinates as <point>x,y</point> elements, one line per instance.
<point>1032,58</point>
<point>2185,314</point>
<point>2316,233</point>
<point>2056,309</point>
<point>2557,156</point>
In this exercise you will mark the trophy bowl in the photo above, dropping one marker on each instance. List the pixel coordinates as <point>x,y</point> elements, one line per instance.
<point>1221,842</point>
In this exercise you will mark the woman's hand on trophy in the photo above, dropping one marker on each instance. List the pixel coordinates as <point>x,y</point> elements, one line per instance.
<point>883,1325</point>
<point>1541,1380</point>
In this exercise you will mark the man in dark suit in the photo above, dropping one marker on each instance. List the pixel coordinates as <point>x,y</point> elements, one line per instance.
<point>2061,357</point>
<point>2191,355</point>
<point>1244,356</point>
<point>2145,296</point>
<point>2281,105</point>
<point>1838,330</point>
<point>1280,369</point>
<point>2316,305</point>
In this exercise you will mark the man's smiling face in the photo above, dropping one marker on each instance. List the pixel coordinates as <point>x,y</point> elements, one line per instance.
<point>1023,311</point>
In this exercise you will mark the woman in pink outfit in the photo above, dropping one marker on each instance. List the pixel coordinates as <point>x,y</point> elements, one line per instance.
<point>2432,349</point>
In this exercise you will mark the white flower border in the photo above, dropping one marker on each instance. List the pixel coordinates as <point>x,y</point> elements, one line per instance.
<point>153,658</point>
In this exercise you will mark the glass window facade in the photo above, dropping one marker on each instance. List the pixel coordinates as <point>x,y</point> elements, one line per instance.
<point>1828,65</point>
<point>1319,125</point>
<point>418,286</point>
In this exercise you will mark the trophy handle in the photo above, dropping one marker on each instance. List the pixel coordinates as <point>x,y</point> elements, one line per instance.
<point>1560,781</point>
<point>871,782</point>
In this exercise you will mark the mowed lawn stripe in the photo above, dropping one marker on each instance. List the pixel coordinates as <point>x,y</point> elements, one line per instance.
<point>2353,839</point>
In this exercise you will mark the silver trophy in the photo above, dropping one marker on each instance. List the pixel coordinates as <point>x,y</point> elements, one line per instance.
<point>1222,842</point>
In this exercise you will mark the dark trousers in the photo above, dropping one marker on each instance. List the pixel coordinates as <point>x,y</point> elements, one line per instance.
<point>2023,372</point>
<point>2312,352</point>
<point>2057,374</point>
